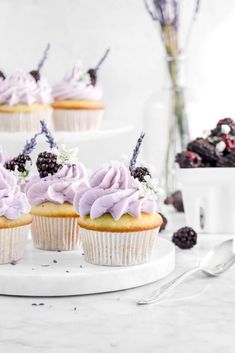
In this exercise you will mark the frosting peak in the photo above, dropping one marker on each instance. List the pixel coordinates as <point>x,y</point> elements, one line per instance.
<point>112,175</point>
<point>13,203</point>
<point>58,188</point>
<point>76,85</point>
<point>21,87</point>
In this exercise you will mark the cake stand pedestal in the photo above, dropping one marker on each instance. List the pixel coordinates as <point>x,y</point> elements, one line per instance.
<point>50,273</point>
<point>110,142</point>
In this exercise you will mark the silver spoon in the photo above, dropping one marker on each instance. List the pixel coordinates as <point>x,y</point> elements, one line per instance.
<point>215,262</point>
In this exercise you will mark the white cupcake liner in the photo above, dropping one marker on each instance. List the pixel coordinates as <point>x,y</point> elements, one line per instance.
<point>55,233</point>
<point>19,122</point>
<point>13,243</point>
<point>118,249</point>
<point>77,119</point>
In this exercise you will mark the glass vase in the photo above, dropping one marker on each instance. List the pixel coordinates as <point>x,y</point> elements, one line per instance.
<point>166,124</point>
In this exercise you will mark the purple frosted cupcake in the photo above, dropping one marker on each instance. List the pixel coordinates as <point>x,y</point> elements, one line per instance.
<point>15,219</point>
<point>119,224</point>
<point>77,105</point>
<point>25,99</point>
<point>51,195</point>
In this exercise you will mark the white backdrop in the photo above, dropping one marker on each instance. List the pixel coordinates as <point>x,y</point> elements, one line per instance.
<point>83,29</point>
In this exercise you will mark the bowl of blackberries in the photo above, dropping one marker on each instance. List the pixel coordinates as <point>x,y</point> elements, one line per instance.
<point>207,177</point>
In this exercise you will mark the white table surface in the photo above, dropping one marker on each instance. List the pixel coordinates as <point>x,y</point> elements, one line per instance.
<point>198,317</point>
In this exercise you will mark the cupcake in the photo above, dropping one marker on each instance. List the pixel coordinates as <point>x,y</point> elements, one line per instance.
<point>15,219</point>
<point>118,216</point>
<point>51,195</point>
<point>25,99</point>
<point>77,105</point>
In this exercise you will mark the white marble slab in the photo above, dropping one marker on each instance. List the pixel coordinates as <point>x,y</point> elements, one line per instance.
<point>198,317</point>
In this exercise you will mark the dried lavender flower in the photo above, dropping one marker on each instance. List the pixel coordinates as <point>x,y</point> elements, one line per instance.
<point>48,134</point>
<point>164,11</point>
<point>31,144</point>
<point>102,59</point>
<point>44,57</point>
<point>136,152</point>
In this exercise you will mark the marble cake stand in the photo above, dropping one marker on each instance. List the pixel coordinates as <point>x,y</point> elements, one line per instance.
<point>47,273</point>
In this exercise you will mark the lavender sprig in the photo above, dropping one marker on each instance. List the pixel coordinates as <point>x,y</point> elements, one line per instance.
<point>136,152</point>
<point>102,60</point>
<point>44,57</point>
<point>164,11</point>
<point>48,134</point>
<point>31,144</point>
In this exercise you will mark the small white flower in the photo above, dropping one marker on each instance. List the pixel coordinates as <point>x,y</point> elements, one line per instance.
<point>225,129</point>
<point>149,188</point>
<point>66,155</point>
<point>206,133</point>
<point>85,78</point>
<point>220,147</point>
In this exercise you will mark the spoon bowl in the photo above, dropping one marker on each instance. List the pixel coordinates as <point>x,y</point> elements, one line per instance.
<point>219,259</point>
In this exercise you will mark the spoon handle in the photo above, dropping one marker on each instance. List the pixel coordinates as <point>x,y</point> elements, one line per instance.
<point>165,288</point>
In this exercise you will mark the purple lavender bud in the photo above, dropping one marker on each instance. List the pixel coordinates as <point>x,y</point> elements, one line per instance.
<point>136,152</point>
<point>48,134</point>
<point>31,144</point>
<point>44,57</point>
<point>102,59</point>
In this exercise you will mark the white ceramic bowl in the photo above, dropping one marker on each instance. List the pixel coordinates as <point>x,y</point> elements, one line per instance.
<point>209,198</point>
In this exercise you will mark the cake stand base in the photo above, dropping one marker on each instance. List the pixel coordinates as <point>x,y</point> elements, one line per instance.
<point>50,273</point>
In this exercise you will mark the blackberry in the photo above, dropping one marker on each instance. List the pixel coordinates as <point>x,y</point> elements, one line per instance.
<point>204,149</point>
<point>227,161</point>
<point>185,238</point>
<point>176,201</point>
<point>164,223</point>
<point>47,164</point>
<point>19,163</point>
<point>93,76</point>
<point>35,74</point>
<point>187,159</point>
<point>140,173</point>
<point>2,75</point>
<point>226,121</point>
<point>229,142</point>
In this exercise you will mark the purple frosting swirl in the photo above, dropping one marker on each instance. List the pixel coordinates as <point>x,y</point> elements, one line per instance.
<point>21,87</point>
<point>112,191</point>
<point>112,175</point>
<point>58,188</point>
<point>76,85</point>
<point>13,202</point>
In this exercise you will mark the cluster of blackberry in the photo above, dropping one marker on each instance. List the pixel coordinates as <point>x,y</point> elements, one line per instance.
<point>140,173</point>
<point>216,150</point>
<point>19,163</point>
<point>47,164</point>
<point>35,74</point>
<point>2,75</point>
<point>93,76</point>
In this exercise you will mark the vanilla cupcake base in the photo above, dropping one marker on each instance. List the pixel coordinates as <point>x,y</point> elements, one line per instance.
<point>55,233</point>
<point>77,119</point>
<point>118,249</point>
<point>13,243</point>
<point>25,121</point>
